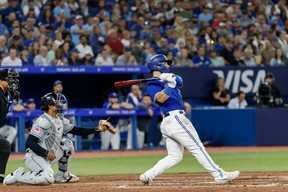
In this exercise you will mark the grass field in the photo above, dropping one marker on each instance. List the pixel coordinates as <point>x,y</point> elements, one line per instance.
<point>262,161</point>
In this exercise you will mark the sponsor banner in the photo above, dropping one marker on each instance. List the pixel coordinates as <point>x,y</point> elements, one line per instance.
<point>81,70</point>
<point>200,82</point>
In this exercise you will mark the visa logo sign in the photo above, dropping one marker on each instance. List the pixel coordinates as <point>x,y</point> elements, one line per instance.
<point>247,81</point>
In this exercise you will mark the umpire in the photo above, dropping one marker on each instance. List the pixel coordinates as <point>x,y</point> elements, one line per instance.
<point>9,84</point>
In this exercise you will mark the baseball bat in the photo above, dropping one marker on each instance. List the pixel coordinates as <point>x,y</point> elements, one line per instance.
<point>127,83</point>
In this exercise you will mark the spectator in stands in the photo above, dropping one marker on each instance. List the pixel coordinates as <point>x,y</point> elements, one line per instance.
<point>51,53</point>
<point>30,38</point>
<point>238,102</point>
<point>268,53</point>
<point>201,60</point>
<point>61,7</point>
<point>126,38</point>
<point>83,47</point>
<point>34,49</point>
<point>237,58</point>
<point>58,38</point>
<point>183,60</point>
<point>16,43</point>
<point>88,59</point>
<point>59,60</point>
<point>216,61</point>
<point>97,40</point>
<point>30,24</point>
<point>84,9</point>
<point>3,48</point>
<point>227,52</point>
<point>221,95</point>
<point>127,58</point>
<point>279,59</point>
<point>74,59</point>
<point>26,58</point>
<point>114,41</point>
<point>248,58</point>
<point>66,50</point>
<point>30,4</point>
<point>107,138</point>
<point>67,38</point>
<point>12,59</point>
<point>104,59</point>
<point>3,29</point>
<point>73,6</point>
<point>41,59</point>
<point>76,30</point>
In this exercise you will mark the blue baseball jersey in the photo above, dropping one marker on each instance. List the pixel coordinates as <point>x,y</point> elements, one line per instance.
<point>174,102</point>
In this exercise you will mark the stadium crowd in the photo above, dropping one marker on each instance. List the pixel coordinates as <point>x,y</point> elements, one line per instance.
<point>127,32</point>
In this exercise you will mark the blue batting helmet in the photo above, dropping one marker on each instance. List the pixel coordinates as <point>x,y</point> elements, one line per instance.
<point>155,63</point>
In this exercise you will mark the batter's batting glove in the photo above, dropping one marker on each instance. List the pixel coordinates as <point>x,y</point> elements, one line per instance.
<point>165,76</point>
<point>105,125</point>
<point>171,81</point>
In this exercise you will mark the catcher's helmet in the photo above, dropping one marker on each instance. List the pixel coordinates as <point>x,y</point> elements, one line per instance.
<point>48,99</point>
<point>155,63</point>
<point>57,99</point>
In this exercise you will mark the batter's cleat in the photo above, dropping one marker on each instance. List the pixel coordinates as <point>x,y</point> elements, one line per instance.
<point>228,177</point>
<point>11,178</point>
<point>65,177</point>
<point>145,180</point>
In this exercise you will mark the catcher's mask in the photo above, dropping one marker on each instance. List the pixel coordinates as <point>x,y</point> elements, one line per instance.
<point>12,78</point>
<point>57,99</point>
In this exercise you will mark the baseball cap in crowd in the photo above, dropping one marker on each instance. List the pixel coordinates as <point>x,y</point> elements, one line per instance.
<point>112,95</point>
<point>57,82</point>
<point>222,24</point>
<point>79,17</point>
<point>106,14</point>
<point>274,18</point>
<point>31,9</point>
<point>194,16</point>
<point>75,50</point>
<point>30,100</point>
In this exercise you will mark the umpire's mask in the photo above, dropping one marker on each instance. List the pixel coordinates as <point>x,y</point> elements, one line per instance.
<point>12,78</point>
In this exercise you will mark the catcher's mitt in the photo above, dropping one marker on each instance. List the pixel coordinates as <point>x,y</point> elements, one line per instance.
<point>105,125</point>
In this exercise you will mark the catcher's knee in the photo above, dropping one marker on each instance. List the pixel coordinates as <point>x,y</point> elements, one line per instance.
<point>45,177</point>
<point>67,147</point>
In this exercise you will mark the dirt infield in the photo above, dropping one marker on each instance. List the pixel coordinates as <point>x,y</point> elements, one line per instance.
<point>251,182</point>
<point>203,182</point>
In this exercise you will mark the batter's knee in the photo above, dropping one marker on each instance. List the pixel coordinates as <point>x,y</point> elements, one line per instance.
<point>176,158</point>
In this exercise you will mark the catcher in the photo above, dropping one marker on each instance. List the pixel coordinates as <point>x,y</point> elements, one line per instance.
<point>45,145</point>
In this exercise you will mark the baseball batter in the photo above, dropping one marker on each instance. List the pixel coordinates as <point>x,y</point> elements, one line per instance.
<point>177,130</point>
<point>45,145</point>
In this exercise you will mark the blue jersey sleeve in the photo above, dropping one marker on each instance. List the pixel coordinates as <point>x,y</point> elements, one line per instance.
<point>179,81</point>
<point>154,87</point>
